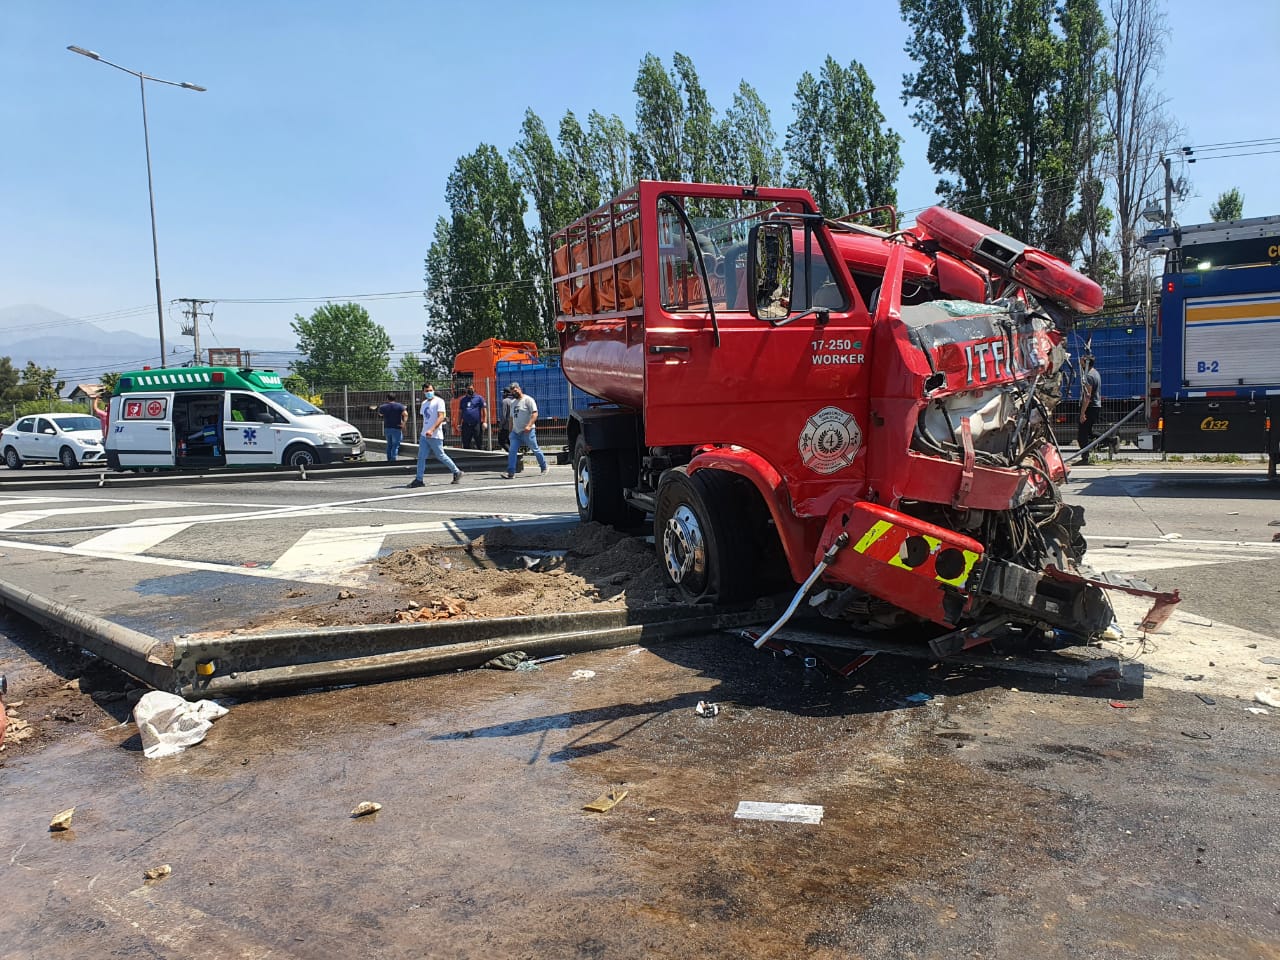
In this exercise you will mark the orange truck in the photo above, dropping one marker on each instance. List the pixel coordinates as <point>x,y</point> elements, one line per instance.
<point>478,367</point>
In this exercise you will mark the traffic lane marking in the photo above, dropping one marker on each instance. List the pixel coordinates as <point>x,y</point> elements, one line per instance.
<point>316,575</point>
<point>17,518</point>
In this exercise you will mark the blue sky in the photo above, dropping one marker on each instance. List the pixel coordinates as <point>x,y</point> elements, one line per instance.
<point>315,164</point>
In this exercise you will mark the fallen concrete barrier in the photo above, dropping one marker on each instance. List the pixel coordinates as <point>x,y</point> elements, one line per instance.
<point>288,660</point>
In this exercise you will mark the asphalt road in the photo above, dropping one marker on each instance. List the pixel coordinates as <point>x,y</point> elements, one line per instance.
<point>1013,814</point>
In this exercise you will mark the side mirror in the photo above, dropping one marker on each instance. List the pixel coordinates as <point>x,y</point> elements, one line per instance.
<point>769,271</point>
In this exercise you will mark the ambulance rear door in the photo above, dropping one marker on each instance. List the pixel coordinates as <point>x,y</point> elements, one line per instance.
<point>141,431</point>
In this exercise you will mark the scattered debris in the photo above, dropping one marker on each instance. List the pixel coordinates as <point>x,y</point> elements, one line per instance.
<point>1197,734</point>
<point>704,709</point>
<point>1259,710</point>
<point>62,820</point>
<point>606,802</point>
<point>158,873</point>
<point>1268,695</point>
<point>169,724</point>
<point>919,698</point>
<point>1271,660</point>
<point>441,609</point>
<point>1172,536</point>
<point>507,661</point>
<point>582,675</point>
<point>345,594</point>
<point>1206,699</point>
<point>366,808</point>
<point>74,685</point>
<point>1194,676</point>
<point>1119,705</point>
<point>780,812</point>
<point>18,730</point>
<point>1116,546</point>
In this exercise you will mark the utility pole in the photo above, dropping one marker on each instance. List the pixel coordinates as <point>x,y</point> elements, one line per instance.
<point>191,326</point>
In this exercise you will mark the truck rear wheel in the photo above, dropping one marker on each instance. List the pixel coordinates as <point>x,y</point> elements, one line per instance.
<point>597,481</point>
<point>700,537</point>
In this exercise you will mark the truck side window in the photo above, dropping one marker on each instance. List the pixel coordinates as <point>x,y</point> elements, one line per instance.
<point>720,229</point>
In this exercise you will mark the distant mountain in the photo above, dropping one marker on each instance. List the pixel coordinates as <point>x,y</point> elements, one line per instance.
<point>81,352</point>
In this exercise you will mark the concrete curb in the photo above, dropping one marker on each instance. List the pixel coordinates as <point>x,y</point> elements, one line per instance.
<point>282,660</point>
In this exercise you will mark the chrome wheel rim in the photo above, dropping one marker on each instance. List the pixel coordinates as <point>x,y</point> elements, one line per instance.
<point>684,549</point>
<point>584,484</point>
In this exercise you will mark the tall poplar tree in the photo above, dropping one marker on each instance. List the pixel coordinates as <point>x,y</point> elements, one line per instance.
<point>839,147</point>
<point>483,275</point>
<point>998,91</point>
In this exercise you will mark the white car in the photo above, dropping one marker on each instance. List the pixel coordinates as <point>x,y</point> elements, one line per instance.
<point>67,438</point>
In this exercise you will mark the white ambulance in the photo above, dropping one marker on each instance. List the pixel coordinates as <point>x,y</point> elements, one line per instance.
<point>198,417</point>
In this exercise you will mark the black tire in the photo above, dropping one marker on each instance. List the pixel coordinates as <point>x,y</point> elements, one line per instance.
<point>701,538</point>
<point>67,457</point>
<point>597,482</point>
<point>11,459</point>
<point>299,455</point>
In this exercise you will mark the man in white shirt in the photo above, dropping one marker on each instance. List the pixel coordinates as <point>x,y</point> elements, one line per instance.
<point>432,439</point>
<point>524,414</point>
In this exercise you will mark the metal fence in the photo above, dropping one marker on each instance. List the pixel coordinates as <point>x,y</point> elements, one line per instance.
<point>358,405</point>
<point>1118,340</point>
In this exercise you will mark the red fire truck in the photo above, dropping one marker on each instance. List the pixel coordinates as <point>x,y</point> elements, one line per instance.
<point>840,407</point>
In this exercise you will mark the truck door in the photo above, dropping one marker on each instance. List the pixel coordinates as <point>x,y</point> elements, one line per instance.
<point>142,429</point>
<point>795,393</point>
<point>249,430</point>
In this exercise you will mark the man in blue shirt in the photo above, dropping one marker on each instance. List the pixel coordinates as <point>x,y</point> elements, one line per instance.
<point>472,407</point>
<point>393,417</point>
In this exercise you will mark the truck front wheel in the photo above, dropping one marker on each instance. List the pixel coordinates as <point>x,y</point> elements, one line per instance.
<point>597,480</point>
<point>700,539</point>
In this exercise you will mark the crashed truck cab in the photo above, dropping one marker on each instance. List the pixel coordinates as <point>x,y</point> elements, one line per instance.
<point>867,413</point>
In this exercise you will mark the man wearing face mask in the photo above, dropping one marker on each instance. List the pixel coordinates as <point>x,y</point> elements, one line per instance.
<point>432,439</point>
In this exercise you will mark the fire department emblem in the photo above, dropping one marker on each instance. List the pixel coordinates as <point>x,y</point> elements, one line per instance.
<point>830,440</point>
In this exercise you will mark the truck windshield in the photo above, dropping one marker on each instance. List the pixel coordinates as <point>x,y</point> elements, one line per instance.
<point>720,236</point>
<point>295,405</point>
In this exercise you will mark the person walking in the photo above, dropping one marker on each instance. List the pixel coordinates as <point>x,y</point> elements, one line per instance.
<point>432,439</point>
<point>524,416</point>
<point>472,408</point>
<point>393,416</point>
<point>1090,403</point>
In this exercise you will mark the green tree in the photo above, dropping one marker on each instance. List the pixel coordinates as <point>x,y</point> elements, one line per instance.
<point>340,343</point>
<point>675,123</point>
<point>1002,89</point>
<point>581,184</point>
<point>609,146</point>
<point>484,277</point>
<point>746,147</point>
<point>10,378</point>
<point>838,146</point>
<point>408,370</point>
<point>1228,206</point>
<point>109,381</point>
<point>40,383</point>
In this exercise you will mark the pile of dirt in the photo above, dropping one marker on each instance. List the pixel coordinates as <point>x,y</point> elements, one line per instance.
<point>514,571</point>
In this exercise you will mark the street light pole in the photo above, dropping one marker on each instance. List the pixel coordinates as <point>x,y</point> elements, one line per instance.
<point>151,196</point>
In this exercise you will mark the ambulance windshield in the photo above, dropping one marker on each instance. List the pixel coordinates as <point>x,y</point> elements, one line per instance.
<point>295,405</point>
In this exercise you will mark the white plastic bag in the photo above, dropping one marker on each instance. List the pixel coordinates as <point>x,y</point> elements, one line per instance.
<point>170,724</point>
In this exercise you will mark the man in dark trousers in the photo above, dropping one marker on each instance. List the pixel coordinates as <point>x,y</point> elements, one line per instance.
<point>471,406</point>
<point>1090,402</point>
<point>393,416</point>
